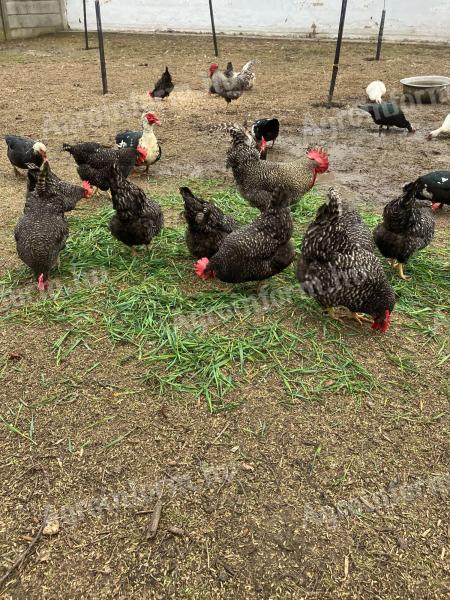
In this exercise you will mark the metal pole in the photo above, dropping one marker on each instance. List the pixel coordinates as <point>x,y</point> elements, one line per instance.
<point>86,39</point>
<point>380,35</point>
<point>213,27</point>
<point>101,46</point>
<point>338,53</point>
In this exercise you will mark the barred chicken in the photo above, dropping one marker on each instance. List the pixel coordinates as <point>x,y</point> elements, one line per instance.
<point>71,194</point>
<point>256,179</point>
<point>42,230</point>
<point>22,151</point>
<point>94,161</point>
<point>337,268</point>
<point>406,228</point>
<point>230,87</point>
<point>256,251</point>
<point>207,225</point>
<point>138,218</point>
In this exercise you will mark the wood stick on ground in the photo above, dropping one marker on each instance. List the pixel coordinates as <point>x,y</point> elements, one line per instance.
<point>19,562</point>
<point>155,520</point>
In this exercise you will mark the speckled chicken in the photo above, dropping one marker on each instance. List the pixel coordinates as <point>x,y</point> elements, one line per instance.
<point>69,193</point>
<point>406,228</point>
<point>207,225</point>
<point>256,179</point>
<point>138,218</point>
<point>256,251</point>
<point>42,231</point>
<point>94,161</point>
<point>228,85</point>
<point>337,269</point>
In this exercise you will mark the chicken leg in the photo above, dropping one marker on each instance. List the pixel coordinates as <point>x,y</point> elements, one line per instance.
<point>399,268</point>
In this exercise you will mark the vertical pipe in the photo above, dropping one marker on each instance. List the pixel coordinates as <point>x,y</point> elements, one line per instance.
<point>213,27</point>
<point>380,35</point>
<point>86,39</point>
<point>338,52</point>
<point>101,46</point>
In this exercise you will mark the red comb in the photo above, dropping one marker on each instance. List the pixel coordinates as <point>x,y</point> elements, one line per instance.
<point>384,326</point>
<point>42,283</point>
<point>88,189</point>
<point>200,267</point>
<point>321,158</point>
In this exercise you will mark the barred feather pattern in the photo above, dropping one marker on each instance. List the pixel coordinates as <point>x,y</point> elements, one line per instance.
<point>69,193</point>
<point>336,264</point>
<point>42,230</point>
<point>95,161</point>
<point>259,250</point>
<point>406,228</point>
<point>138,218</point>
<point>256,179</point>
<point>207,225</point>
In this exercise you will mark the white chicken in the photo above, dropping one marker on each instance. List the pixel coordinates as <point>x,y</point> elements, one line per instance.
<point>444,128</point>
<point>375,91</point>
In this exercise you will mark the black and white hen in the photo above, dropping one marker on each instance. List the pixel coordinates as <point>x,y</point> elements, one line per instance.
<point>138,218</point>
<point>337,267</point>
<point>256,251</point>
<point>95,161</point>
<point>23,151</point>
<point>406,228</point>
<point>207,225</point>
<point>435,187</point>
<point>69,193</point>
<point>42,230</point>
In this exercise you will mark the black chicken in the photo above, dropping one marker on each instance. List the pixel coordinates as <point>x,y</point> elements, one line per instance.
<point>163,87</point>
<point>256,251</point>
<point>388,114</point>
<point>337,269</point>
<point>23,151</point>
<point>435,187</point>
<point>94,161</point>
<point>138,218</point>
<point>42,230</point>
<point>69,193</point>
<point>267,129</point>
<point>207,225</point>
<point>406,228</point>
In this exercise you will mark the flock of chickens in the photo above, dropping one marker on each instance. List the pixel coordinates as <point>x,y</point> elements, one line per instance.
<point>337,265</point>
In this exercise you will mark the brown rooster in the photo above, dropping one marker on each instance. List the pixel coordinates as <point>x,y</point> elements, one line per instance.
<point>256,179</point>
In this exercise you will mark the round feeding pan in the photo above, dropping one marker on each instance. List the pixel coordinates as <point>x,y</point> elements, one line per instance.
<point>426,89</point>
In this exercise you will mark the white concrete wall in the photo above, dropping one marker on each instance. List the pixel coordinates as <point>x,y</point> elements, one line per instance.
<point>406,19</point>
<point>28,18</point>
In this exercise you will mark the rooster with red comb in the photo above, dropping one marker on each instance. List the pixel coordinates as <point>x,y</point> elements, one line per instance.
<point>256,179</point>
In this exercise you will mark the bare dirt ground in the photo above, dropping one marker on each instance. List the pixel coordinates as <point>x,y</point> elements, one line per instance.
<point>325,500</point>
